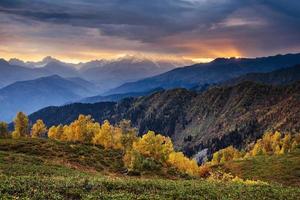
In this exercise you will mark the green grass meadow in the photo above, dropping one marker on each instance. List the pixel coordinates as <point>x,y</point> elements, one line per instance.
<point>45,169</point>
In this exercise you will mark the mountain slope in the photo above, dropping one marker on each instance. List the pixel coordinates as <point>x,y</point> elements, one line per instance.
<point>277,77</point>
<point>117,97</point>
<point>29,96</point>
<point>91,89</point>
<point>216,71</point>
<point>209,121</point>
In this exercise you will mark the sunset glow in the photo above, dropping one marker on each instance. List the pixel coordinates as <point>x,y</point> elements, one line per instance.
<point>87,30</point>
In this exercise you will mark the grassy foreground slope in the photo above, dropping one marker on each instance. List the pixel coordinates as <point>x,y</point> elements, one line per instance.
<point>44,169</point>
<point>42,152</point>
<point>284,169</point>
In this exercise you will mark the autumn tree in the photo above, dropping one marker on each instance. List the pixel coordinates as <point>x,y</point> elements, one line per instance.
<point>21,123</point>
<point>296,141</point>
<point>149,152</point>
<point>108,136</point>
<point>184,164</point>
<point>225,155</point>
<point>274,143</point>
<point>216,158</point>
<point>267,143</point>
<point>286,144</point>
<point>133,160</point>
<point>3,129</point>
<point>56,132</point>
<point>38,129</point>
<point>129,134</point>
<point>156,146</point>
<point>257,149</point>
<point>81,130</point>
<point>271,143</point>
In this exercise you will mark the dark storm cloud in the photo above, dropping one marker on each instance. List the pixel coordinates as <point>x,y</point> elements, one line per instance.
<point>246,24</point>
<point>134,19</point>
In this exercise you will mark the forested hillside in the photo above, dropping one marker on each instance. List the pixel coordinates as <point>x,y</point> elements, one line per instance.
<point>219,117</point>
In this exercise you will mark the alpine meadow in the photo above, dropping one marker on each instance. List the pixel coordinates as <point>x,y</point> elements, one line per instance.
<point>160,99</point>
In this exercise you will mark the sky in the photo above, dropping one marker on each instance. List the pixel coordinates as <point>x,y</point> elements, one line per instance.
<point>82,30</point>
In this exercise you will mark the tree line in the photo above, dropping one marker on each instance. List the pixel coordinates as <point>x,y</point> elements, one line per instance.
<point>152,151</point>
<point>272,143</point>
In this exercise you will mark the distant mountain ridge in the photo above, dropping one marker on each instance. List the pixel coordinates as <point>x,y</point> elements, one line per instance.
<point>111,73</point>
<point>12,73</point>
<point>106,74</point>
<point>277,77</point>
<point>116,97</point>
<point>219,70</point>
<point>29,96</point>
<point>38,64</point>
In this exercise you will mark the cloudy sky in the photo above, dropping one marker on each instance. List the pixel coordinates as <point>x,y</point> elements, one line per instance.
<point>80,30</point>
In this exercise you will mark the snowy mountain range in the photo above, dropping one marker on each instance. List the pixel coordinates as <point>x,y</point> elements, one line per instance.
<point>104,73</point>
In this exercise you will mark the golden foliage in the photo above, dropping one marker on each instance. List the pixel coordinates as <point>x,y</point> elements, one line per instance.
<point>21,123</point>
<point>154,146</point>
<point>257,149</point>
<point>274,143</point>
<point>3,129</point>
<point>39,129</point>
<point>86,130</point>
<point>184,164</point>
<point>56,132</point>
<point>270,144</point>
<point>81,130</point>
<point>108,136</point>
<point>225,155</point>
<point>221,176</point>
<point>153,150</point>
<point>150,152</point>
